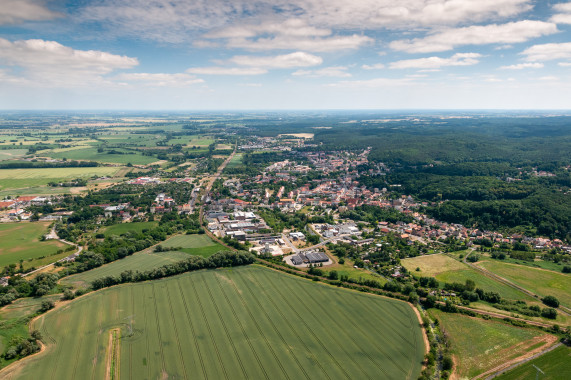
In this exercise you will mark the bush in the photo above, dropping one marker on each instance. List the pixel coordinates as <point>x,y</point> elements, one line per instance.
<point>566,269</point>
<point>46,305</point>
<point>549,313</point>
<point>551,301</point>
<point>447,363</point>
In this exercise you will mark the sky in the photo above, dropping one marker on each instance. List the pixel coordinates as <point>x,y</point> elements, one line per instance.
<point>288,54</point>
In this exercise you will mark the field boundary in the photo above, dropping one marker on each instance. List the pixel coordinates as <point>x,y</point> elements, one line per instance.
<point>523,361</point>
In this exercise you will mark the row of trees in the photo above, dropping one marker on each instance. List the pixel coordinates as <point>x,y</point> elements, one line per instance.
<point>193,263</point>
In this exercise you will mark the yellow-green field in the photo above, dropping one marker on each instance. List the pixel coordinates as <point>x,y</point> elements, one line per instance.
<point>247,322</point>
<point>540,281</point>
<point>22,178</point>
<point>21,241</point>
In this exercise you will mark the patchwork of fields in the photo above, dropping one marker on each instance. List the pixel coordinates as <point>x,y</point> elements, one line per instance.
<point>447,269</point>
<point>247,322</point>
<point>539,281</point>
<point>481,345</point>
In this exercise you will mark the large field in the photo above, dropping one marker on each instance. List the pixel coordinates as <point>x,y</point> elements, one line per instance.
<point>91,154</point>
<point>137,262</point>
<point>479,345</point>
<point>199,245</point>
<point>20,178</point>
<point>248,322</point>
<point>555,364</point>
<point>446,269</point>
<point>21,241</point>
<point>539,281</point>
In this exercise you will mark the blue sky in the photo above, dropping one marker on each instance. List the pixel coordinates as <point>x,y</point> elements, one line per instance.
<point>289,54</point>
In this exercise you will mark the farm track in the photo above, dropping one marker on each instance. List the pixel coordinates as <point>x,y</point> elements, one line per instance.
<point>201,308</point>
<point>316,338</point>
<point>260,331</point>
<point>349,337</point>
<point>177,335</point>
<point>228,335</point>
<point>192,329</point>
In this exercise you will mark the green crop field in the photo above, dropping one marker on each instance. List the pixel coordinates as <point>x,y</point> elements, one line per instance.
<point>481,345</point>
<point>12,154</point>
<point>119,229</point>
<point>137,262</point>
<point>555,364</point>
<point>199,245</point>
<point>539,281</point>
<point>235,161</point>
<point>21,241</point>
<point>248,322</point>
<point>20,178</point>
<point>194,140</point>
<point>446,269</point>
<point>91,154</point>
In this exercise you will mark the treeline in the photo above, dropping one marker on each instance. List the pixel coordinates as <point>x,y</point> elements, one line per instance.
<point>193,263</point>
<point>44,165</point>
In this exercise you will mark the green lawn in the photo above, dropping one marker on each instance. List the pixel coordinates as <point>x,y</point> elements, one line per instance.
<point>249,322</point>
<point>199,245</point>
<point>119,229</point>
<point>481,345</point>
<point>21,241</point>
<point>555,364</point>
<point>539,281</point>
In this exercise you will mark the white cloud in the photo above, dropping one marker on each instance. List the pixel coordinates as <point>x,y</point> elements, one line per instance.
<point>448,39</point>
<point>376,66</point>
<point>53,63</point>
<point>459,59</point>
<point>18,11</point>
<point>214,70</point>
<point>333,71</point>
<point>549,78</point>
<point>297,59</point>
<point>563,7</point>
<point>176,20</point>
<point>314,44</point>
<point>521,66</point>
<point>548,52</point>
<point>564,64</point>
<point>160,79</point>
<point>565,16</point>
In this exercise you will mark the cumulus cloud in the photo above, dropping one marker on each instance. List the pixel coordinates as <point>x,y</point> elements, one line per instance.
<point>459,59</point>
<point>333,71</point>
<point>50,62</point>
<point>564,17</point>
<point>18,11</point>
<point>215,70</point>
<point>521,66</point>
<point>160,79</point>
<point>175,20</point>
<point>548,52</point>
<point>513,32</point>
<point>297,59</point>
